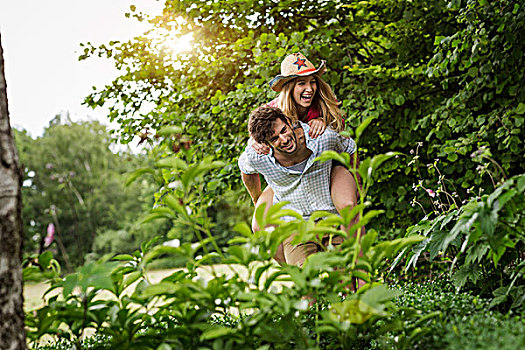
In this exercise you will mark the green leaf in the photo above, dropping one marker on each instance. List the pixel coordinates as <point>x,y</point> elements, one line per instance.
<point>217,332</point>
<point>364,124</point>
<point>487,221</point>
<point>172,163</point>
<point>343,158</point>
<point>379,294</point>
<point>466,272</point>
<point>500,296</point>
<point>173,203</point>
<point>44,259</point>
<point>323,261</point>
<point>137,173</point>
<point>389,248</point>
<point>162,288</point>
<point>438,39</point>
<point>69,283</point>
<point>520,183</point>
<point>368,239</point>
<point>379,159</point>
<point>416,252</point>
<point>399,100</point>
<point>169,130</point>
<point>260,271</point>
<point>260,217</point>
<point>437,243</point>
<point>297,276</point>
<point>194,172</point>
<point>243,229</point>
<point>452,157</point>
<point>520,109</point>
<point>476,252</point>
<point>273,277</point>
<point>123,257</point>
<point>131,278</point>
<point>353,311</point>
<point>159,213</point>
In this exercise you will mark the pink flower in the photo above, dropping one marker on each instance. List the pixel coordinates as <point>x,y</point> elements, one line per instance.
<point>431,193</point>
<point>50,235</point>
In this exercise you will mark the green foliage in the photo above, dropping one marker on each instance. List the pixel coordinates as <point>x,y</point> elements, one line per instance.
<point>485,237</point>
<point>73,180</point>
<point>186,182</point>
<point>464,320</point>
<point>445,74</point>
<point>181,310</point>
<point>125,239</point>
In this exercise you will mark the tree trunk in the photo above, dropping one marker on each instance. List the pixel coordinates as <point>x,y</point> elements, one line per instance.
<point>12,333</point>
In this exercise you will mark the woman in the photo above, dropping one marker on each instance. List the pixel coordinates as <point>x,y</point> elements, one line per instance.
<point>305,96</point>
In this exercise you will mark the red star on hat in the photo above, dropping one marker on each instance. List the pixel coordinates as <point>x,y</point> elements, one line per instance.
<point>300,63</point>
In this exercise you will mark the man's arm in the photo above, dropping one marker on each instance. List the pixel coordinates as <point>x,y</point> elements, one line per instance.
<point>252,182</point>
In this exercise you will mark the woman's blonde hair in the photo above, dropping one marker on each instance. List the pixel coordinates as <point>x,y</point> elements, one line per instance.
<point>324,100</point>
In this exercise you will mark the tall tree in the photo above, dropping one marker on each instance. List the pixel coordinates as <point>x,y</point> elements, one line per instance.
<point>12,333</point>
<point>437,79</point>
<point>74,183</point>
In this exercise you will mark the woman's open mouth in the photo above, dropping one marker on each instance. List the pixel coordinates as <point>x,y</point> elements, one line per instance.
<point>307,98</point>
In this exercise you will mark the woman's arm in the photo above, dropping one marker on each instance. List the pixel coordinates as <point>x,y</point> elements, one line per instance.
<point>259,148</point>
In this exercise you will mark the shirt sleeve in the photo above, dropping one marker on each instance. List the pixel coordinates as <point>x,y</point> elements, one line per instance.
<point>345,144</point>
<point>339,143</point>
<point>245,165</point>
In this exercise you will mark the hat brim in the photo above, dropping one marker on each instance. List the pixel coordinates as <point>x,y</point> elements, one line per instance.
<point>279,81</point>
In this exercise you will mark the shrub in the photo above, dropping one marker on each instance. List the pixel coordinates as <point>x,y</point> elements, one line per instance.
<point>485,238</point>
<point>179,311</point>
<point>465,321</point>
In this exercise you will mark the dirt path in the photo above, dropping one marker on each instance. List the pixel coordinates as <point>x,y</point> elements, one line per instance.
<point>34,292</point>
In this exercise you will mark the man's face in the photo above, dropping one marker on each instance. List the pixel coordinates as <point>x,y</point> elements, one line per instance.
<point>283,139</point>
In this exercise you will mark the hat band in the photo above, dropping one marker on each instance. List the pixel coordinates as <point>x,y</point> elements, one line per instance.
<point>306,71</point>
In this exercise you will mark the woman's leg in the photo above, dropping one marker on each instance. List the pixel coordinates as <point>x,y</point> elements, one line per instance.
<point>343,189</point>
<point>267,198</point>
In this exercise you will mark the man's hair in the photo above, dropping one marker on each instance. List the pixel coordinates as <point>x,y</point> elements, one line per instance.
<point>260,124</point>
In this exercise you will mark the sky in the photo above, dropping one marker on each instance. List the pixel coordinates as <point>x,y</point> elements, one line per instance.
<point>40,40</point>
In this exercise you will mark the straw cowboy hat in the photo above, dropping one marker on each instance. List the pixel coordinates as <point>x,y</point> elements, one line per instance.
<point>293,66</point>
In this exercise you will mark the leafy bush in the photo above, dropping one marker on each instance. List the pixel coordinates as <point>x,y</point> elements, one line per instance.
<point>486,239</point>
<point>465,321</point>
<point>448,74</point>
<point>179,311</point>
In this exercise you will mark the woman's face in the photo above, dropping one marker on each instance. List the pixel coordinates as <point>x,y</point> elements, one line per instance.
<point>304,91</point>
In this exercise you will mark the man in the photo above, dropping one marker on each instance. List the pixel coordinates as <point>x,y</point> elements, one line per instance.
<point>291,172</point>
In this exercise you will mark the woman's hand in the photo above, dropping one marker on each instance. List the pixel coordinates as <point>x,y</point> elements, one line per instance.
<point>317,127</point>
<point>259,148</point>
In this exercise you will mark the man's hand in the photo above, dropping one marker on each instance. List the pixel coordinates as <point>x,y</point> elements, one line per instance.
<point>259,148</point>
<point>317,127</point>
